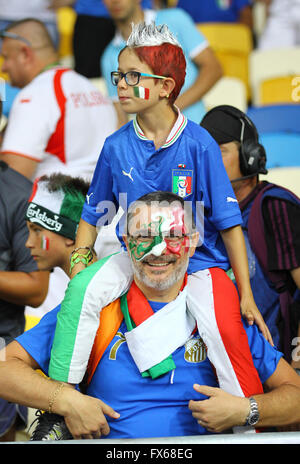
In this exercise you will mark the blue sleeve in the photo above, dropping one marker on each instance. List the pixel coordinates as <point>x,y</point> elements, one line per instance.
<point>185,30</point>
<point>100,205</point>
<point>222,208</point>
<point>265,356</point>
<point>38,340</point>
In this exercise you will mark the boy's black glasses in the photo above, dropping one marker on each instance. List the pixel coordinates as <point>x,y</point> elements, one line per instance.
<point>131,77</point>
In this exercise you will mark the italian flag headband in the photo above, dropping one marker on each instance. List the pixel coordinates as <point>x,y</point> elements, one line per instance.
<point>57,211</point>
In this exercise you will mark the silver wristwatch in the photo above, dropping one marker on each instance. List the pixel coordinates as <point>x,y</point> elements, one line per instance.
<point>253,416</point>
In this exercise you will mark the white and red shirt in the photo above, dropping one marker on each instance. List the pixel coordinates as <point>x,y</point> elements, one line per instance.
<point>61,121</point>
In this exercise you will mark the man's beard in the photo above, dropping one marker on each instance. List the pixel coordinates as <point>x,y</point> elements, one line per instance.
<point>163,284</point>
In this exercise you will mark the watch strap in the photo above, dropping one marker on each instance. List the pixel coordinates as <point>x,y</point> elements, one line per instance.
<point>253,416</point>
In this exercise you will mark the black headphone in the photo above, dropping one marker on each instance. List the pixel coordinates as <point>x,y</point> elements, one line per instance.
<point>252,154</point>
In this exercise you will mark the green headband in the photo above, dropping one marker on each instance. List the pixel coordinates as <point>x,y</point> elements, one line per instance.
<point>57,223</point>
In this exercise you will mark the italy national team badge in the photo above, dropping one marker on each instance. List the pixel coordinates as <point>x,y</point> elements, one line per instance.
<point>182,182</point>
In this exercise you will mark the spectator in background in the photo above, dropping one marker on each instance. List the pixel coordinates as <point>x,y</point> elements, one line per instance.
<point>20,281</point>
<point>244,159</point>
<point>59,121</point>
<point>223,11</point>
<point>282,28</point>
<point>15,10</point>
<point>93,31</point>
<point>203,68</point>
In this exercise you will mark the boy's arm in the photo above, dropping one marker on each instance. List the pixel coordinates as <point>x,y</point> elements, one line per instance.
<point>85,237</point>
<point>236,249</point>
<point>24,288</point>
<point>210,71</point>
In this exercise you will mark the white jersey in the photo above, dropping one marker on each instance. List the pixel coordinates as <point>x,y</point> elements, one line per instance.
<point>282,28</point>
<point>18,9</point>
<point>61,121</point>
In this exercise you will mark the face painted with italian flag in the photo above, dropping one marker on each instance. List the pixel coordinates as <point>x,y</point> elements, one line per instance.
<point>163,231</point>
<point>160,247</point>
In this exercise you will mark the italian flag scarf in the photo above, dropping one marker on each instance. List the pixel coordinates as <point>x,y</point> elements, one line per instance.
<point>136,310</point>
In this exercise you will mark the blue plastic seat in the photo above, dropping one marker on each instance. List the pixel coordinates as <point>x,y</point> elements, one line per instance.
<point>279,132</point>
<point>276,118</point>
<point>283,149</point>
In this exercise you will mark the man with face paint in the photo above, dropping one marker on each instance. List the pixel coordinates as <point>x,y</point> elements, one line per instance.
<point>159,246</point>
<point>149,370</point>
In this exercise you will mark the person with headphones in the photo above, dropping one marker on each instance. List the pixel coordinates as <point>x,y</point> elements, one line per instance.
<point>271,226</point>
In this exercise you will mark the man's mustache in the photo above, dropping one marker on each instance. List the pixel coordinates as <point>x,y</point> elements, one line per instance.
<point>159,260</point>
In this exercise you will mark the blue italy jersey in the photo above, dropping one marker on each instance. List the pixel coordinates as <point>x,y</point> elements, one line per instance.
<point>147,407</point>
<point>188,164</point>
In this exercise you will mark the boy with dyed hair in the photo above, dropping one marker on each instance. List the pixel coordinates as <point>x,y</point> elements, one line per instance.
<point>161,150</point>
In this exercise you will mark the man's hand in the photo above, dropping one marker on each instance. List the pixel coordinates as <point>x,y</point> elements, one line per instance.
<point>251,313</point>
<point>221,411</point>
<point>84,415</point>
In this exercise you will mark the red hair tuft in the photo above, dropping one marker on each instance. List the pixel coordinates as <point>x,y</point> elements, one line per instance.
<point>165,60</point>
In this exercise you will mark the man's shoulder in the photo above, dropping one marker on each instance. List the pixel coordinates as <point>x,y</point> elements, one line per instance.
<point>39,85</point>
<point>271,192</point>
<point>50,76</point>
<point>12,183</point>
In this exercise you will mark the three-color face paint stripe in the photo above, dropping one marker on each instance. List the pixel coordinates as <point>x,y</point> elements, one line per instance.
<point>141,92</point>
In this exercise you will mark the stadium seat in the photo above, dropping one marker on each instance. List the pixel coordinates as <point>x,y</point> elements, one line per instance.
<point>2,74</point>
<point>287,177</point>
<point>30,321</point>
<point>277,90</point>
<point>232,44</point>
<point>276,118</point>
<point>266,65</point>
<point>283,149</point>
<point>66,17</point>
<point>227,91</point>
<point>279,131</point>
